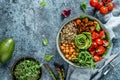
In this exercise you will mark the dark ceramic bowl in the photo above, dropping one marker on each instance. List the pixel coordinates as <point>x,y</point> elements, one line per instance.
<point>71,19</point>
<point>20,60</point>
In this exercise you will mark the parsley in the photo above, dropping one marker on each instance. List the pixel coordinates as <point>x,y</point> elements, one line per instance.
<point>43,3</point>
<point>27,69</point>
<point>83,5</point>
<point>48,57</point>
<point>45,42</point>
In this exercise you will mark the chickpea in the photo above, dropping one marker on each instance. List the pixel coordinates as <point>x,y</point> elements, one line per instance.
<point>70,58</point>
<point>71,50</point>
<point>64,44</point>
<point>66,48</point>
<point>67,56</point>
<point>67,51</point>
<point>64,51</point>
<point>61,47</point>
<point>70,53</point>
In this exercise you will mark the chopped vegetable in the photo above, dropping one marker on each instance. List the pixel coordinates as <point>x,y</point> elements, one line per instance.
<point>98,28</point>
<point>45,42</point>
<point>43,3</point>
<point>83,5</point>
<point>84,59</point>
<point>26,70</point>
<point>48,57</point>
<point>66,12</point>
<point>69,51</point>
<point>83,40</point>
<point>50,71</point>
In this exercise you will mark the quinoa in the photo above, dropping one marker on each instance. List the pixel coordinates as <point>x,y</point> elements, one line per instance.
<point>68,33</point>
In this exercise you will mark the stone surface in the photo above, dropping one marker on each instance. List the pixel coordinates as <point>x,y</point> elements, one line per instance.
<point>28,24</point>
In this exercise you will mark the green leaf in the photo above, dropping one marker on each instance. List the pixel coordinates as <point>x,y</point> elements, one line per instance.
<point>43,3</point>
<point>98,28</point>
<point>48,57</point>
<point>83,5</point>
<point>45,42</point>
<point>83,16</point>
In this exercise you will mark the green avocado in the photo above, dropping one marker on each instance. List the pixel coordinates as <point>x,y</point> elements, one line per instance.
<point>6,49</point>
<point>83,40</point>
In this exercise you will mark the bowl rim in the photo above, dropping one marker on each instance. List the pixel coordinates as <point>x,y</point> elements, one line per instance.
<point>22,59</point>
<point>73,18</point>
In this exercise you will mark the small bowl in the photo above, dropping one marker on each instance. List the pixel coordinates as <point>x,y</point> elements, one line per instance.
<point>22,59</point>
<point>71,19</point>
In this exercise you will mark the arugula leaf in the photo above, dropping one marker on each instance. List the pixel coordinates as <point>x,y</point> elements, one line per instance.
<point>43,3</point>
<point>83,5</point>
<point>45,42</point>
<point>48,57</point>
<point>98,28</point>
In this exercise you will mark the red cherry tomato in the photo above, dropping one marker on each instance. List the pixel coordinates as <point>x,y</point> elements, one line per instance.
<point>100,4</point>
<point>98,41</point>
<point>93,53</point>
<point>94,44</point>
<point>95,35</point>
<point>91,48</point>
<point>100,50</point>
<point>102,34</point>
<point>93,3</point>
<point>97,58</point>
<point>104,10</point>
<point>105,43</point>
<point>110,6</point>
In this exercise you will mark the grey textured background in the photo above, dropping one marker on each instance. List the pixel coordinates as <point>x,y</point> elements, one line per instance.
<point>28,24</point>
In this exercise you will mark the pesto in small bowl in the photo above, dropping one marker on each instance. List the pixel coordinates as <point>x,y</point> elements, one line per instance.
<point>26,69</point>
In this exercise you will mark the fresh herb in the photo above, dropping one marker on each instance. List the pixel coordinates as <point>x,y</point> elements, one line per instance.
<point>45,42</point>
<point>43,3</point>
<point>84,59</point>
<point>50,71</point>
<point>83,5</point>
<point>48,57</point>
<point>98,28</point>
<point>83,16</point>
<point>27,70</point>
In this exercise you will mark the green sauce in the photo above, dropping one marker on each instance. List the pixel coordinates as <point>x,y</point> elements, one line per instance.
<point>27,70</point>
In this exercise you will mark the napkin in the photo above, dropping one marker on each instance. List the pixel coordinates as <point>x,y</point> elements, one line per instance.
<point>110,21</point>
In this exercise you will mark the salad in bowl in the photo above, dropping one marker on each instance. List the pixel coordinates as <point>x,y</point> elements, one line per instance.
<point>83,41</point>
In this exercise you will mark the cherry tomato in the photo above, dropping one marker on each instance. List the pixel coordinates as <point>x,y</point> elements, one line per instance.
<point>99,41</point>
<point>100,50</point>
<point>93,3</point>
<point>97,58</point>
<point>100,4</point>
<point>95,35</point>
<point>104,10</point>
<point>105,43</point>
<point>91,49</point>
<point>93,53</point>
<point>110,6</point>
<point>102,34</point>
<point>106,1</point>
<point>94,44</point>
